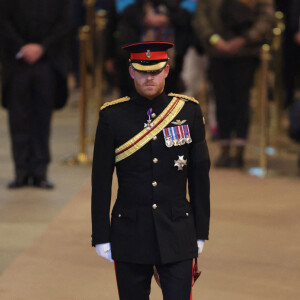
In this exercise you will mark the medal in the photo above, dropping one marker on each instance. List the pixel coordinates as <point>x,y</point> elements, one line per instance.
<point>168,137</point>
<point>149,123</point>
<point>168,141</point>
<point>177,135</point>
<point>175,142</point>
<point>179,131</point>
<point>180,162</point>
<point>187,135</point>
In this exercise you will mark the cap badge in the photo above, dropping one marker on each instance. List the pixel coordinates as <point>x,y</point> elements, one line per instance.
<point>148,53</point>
<point>180,163</point>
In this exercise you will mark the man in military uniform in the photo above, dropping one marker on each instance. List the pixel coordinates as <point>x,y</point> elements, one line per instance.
<point>157,143</point>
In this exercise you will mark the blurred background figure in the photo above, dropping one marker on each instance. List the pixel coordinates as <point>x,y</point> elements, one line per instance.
<point>281,5</point>
<point>294,127</point>
<point>291,49</point>
<point>143,20</point>
<point>79,20</point>
<point>102,4</point>
<point>232,32</point>
<point>34,80</point>
<point>291,65</point>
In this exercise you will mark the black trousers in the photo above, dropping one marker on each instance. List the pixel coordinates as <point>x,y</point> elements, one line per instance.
<point>30,104</point>
<point>134,280</point>
<point>232,79</point>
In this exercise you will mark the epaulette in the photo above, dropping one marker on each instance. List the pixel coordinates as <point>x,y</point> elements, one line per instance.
<point>183,97</point>
<point>121,100</point>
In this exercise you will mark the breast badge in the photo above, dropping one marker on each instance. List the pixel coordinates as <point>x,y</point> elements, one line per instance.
<point>180,162</point>
<point>178,122</point>
<point>177,135</point>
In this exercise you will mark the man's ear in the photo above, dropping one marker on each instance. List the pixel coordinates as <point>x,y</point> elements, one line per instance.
<point>166,70</point>
<point>131,72</point>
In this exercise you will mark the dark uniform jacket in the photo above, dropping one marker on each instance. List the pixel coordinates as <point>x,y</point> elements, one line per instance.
<point>152,221</point>
<point>46,22</point>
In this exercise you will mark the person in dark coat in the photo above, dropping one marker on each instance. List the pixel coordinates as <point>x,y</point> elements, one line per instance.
<point>291,50</point>
<point>157,144</point>
<point>102,4</point>
<point>34,80</point>
<point>232,33</point>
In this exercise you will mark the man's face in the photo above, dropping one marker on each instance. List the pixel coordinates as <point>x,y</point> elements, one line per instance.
<point>149,85</point>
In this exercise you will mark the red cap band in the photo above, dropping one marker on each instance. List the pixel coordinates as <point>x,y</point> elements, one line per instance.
<point>149,55</point>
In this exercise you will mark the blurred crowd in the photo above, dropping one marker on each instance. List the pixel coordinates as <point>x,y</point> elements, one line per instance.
<point>40,48</point>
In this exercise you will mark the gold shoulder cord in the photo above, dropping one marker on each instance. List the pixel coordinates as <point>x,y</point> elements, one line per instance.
<point>183,97</point>
<point>121,100</point>
<point>186,98</point>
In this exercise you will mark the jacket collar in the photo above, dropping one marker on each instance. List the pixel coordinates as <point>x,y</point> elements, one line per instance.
<point>156,102</point>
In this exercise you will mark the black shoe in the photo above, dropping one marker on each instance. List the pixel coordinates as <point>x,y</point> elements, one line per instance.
<point>223,161</point>
<point>18,182</point>
<point>237,162</point>
<point>42,183</point>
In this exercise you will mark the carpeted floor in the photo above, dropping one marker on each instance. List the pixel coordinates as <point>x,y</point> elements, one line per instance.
<point>253,252</point>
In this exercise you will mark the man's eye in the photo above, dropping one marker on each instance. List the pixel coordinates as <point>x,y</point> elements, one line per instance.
<point>155,73</point>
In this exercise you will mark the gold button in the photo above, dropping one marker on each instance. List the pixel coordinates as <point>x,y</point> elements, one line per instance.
<point>155,160</point>
<point>155,138</point>
<point>154,206</point>
<point>154,183</point>
<point>119,215</point>
<point>153,115</point>
<point>187,214</point>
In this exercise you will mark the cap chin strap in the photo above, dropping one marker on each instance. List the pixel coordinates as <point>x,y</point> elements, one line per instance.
<point>149,68</point>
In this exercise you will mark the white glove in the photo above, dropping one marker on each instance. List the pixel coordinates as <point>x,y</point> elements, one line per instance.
<point>200,244</point>
<point>104,251</point>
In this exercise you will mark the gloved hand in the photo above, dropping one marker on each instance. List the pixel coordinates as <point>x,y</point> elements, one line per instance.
<point>104,251</point>
<point>200,244</point>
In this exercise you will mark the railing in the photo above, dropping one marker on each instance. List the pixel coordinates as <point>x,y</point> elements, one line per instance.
<point>271,110</point>
<point>91,37</point>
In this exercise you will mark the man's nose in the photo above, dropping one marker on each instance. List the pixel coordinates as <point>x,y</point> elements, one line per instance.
<point>149,76</point>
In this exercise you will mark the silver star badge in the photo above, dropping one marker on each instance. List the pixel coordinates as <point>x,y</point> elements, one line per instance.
<point>148,125</point>
<point>180,163</point>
